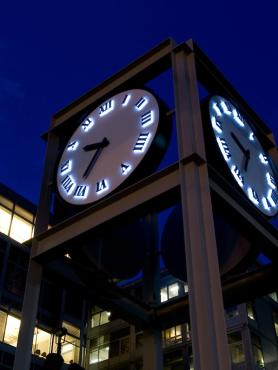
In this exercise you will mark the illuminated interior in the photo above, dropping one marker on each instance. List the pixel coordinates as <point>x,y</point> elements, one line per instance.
<point>11,330</point>
<point>100,318</point>
<point>168,292</point>
<point>15,221</point>
<point>41,342</point>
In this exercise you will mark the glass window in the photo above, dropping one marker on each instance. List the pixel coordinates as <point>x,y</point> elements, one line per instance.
<point>12,330</point>
<point>236,348</point>
<point>275,319</point>
<point>169,292</point>
<point>72,330</point>
<point>257,350</point>
<point>172,335</point>
<point>104,317</point>
<point>70,349</point>
<point>173,290</point>
<point>21,230</point>
<point>100,318</point>
<point>41,342</point>
<point>3,319</point>
<point>250,311</point>
<point>99,350</point>
<point>5,220</point>
<point>163,294</point>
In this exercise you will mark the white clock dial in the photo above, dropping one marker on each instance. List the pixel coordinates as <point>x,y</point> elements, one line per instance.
<point>244,155</point>
<point>107,146</point>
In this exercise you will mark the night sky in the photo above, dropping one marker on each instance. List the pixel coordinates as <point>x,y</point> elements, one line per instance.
<point>53,52</point>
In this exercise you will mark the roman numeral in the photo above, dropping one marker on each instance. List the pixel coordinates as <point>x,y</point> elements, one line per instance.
<point>238,176</point>
<point>224,148</point>
<point>72,146</point>
<point>86,123</point>
<point>226,107</point>
<point>266,203</point>
<point>238,117</point>
<point>217,125</point>
<point>141,142</point>
<point>253,196</point>
<point>67,184</point>
<point>125,168</point>
<point>218,109</point>
<point>263,158</point>
<point>65,167</point>
<point>106,107</point>
<point>126,100</point>
<point>81,191</point>
<point>272,197</point>
<point>146,118</point>
<point>101,186</point>
<point>141,103</point>
<point>271,180</point>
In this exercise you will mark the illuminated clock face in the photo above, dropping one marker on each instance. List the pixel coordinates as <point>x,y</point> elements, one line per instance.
<point>244,155</point>
<point>107,146</point>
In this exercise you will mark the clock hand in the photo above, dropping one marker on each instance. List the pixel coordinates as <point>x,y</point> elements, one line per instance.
<point>99,147</point>
<point>238,143</point>
<point>247,158</point>
<point>246,152</point>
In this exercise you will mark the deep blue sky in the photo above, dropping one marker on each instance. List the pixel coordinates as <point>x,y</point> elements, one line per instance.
<point>52,52</point>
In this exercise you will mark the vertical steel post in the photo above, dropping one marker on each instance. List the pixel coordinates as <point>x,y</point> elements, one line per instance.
<point>152,341</point>
<point>34,274</point>
<point>209,339</point>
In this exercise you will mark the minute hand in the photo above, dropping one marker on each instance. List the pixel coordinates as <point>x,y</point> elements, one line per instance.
<point>99,147</point>
<point>246,152</point>
<point>239,143</point>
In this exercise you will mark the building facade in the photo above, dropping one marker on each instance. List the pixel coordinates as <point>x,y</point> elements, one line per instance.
<point>98,339</point>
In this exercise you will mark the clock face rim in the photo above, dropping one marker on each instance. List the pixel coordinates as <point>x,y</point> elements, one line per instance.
<point>237,116</point>
<point>154,105</point>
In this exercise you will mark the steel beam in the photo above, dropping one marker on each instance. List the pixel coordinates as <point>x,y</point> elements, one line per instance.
<point>209,338</point>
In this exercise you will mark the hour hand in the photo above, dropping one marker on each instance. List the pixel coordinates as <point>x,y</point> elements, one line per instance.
<point>98,147</point>
<point>241,147</point>
<point>94,146</point>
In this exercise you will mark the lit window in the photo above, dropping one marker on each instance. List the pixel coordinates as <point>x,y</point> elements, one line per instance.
<point>163,294</point>
<point>100,318</point>
<point>236,348</point>
<point>21,230</point>
<point>5,220</point>
<point>169,292</point>
<point>250,311</point>
<point>257,350</point>
<point>173,290</point>
<point>99,349</point>
<point>70,349</point>
<point>3,319</point>
<point>12,330</point>
<point>172,335</point>
<point>72,330</point>
<point>41,342</point>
